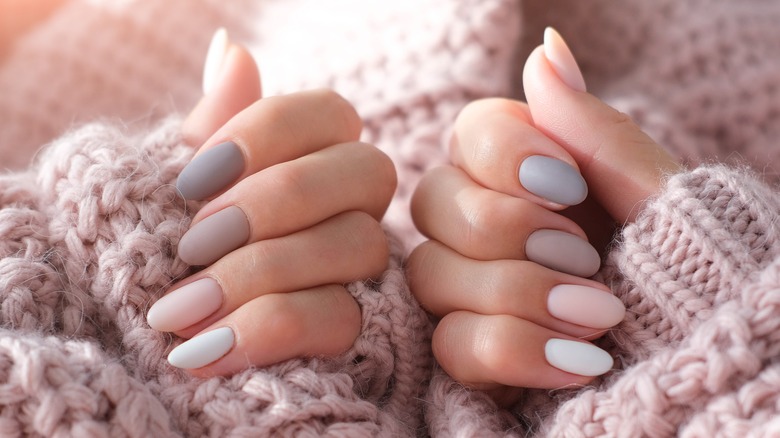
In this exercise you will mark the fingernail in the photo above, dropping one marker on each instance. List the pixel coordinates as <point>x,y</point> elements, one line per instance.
<point>202,349</point>
<point>211,171</point>
<point>585,306</point>
<point>577,357</point>
<point>214,58</point>
<point>562,252</point>
<point>214,236</point>
<point>185,306</point>
<point>562,60</point>
<point>552,179</point>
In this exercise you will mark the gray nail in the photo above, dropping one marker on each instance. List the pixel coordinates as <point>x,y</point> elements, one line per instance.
<point>215,236</point>
<point>553,180</point>
<point>211,171</point>
<point>562,252</point>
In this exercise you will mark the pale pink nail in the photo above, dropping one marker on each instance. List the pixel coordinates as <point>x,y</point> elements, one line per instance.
<point>185,306</point>
<point>585,306</point>
<point>562,60</point>
<point>214,59</point>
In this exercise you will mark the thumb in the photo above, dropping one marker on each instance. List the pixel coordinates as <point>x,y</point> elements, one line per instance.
<point>621,164</point>
<point>231,82</point>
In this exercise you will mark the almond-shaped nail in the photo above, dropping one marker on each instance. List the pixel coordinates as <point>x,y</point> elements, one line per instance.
<point>214,236</point>
<point>562,252</point>
<point>202,349</point>
<point>577,357</point>
<point>211,171</point>
<point>552,179</point>
<point>185,306</point>
<point>585,306</point>
<point>562,60</point>
<point>212,67</point>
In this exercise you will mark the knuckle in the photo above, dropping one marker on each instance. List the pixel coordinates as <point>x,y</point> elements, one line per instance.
<point>367,238</point>
<point>283,322</point>
<point>343,110</point>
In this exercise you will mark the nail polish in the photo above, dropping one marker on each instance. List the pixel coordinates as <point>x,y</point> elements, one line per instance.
<point>211,171</point>
<point>214,236</point>
<point>585,306</point>
<point>577,357</point>
<point>202,349</point>
<point>215,56</point>
<point>562,60</point>
<point>562,252</point>
<point>552,179</point>
<point>185,306</point>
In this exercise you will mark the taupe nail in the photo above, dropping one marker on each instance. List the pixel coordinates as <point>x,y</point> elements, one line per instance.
<point>211,171</point>
<point>215,236</point>
<point>562,252</point>
<point>552,179</point>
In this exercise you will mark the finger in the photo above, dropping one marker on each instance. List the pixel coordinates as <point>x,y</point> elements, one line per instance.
<point>622,165</point>
<point>486,352</point>
<point>444,281</point>
<point>496,143</point>
<point>349,176</point>
<point>232,79</point>
<point>271,131</point>
<point>347,247</point>
<point>486,225</point>
<point>273,328</point>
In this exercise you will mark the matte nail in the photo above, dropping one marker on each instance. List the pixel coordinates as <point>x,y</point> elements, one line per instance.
<point>585,306</point>
<point>562,252</point>
<point>211,171</point>
<point>185,306</point>
<point>212,67</point>
<point>552,179</point>
<point>214,236</point>
<point>202,349</point>
<point>562,60</point>
<point>577,357</point>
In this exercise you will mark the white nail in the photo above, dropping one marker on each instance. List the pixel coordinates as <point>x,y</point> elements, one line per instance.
<point>214,58</point>
<point>202,349</point>
<point>577,357</point>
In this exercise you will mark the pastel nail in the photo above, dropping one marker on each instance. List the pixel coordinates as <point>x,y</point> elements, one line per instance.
<point>577,357</point>
<point>214,59</point>
<point>202,349</point>
<point>562,60</point>
<point>553,180</point>
<point>211,171</point>
<point>585,306</point>
<point>214,236</point>
<point>562,252</point>
<point>185,306</point>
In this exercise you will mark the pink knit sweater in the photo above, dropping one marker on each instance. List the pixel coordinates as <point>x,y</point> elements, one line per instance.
<point>88,231</point>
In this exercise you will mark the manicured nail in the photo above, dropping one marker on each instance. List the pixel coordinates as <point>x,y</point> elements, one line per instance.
<point>185,306</point>
<point>202,349</point>
<point>211,171</point>
<point>214,236</point>
<point>552,179</point>
<point>562,252</point>
<point>577,357</point>
<point>562,60</point>
<point>585,306</point>
<point>214,58</point>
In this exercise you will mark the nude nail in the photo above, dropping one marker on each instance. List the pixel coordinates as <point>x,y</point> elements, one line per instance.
<point>211,171</point>
<point>562,60</point>
<point>585,306</point>
<point>214,236</point>
<point>562,252</point>
<point>212,67</point>
<point>202,349</point>
<point>552,179</point>
<point>577,357</point>
<point>185,306</point>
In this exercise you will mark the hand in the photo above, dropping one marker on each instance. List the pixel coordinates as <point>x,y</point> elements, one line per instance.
<point>294,211</point>
<point>505,270</point>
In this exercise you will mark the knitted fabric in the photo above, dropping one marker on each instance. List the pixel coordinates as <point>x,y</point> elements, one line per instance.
<point>88,233</point>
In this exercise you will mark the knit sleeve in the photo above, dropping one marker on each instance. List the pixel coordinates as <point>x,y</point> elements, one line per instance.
<point>88,242</point>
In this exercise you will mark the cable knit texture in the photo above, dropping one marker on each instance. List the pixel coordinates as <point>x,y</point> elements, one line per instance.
<point>88,232</point>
